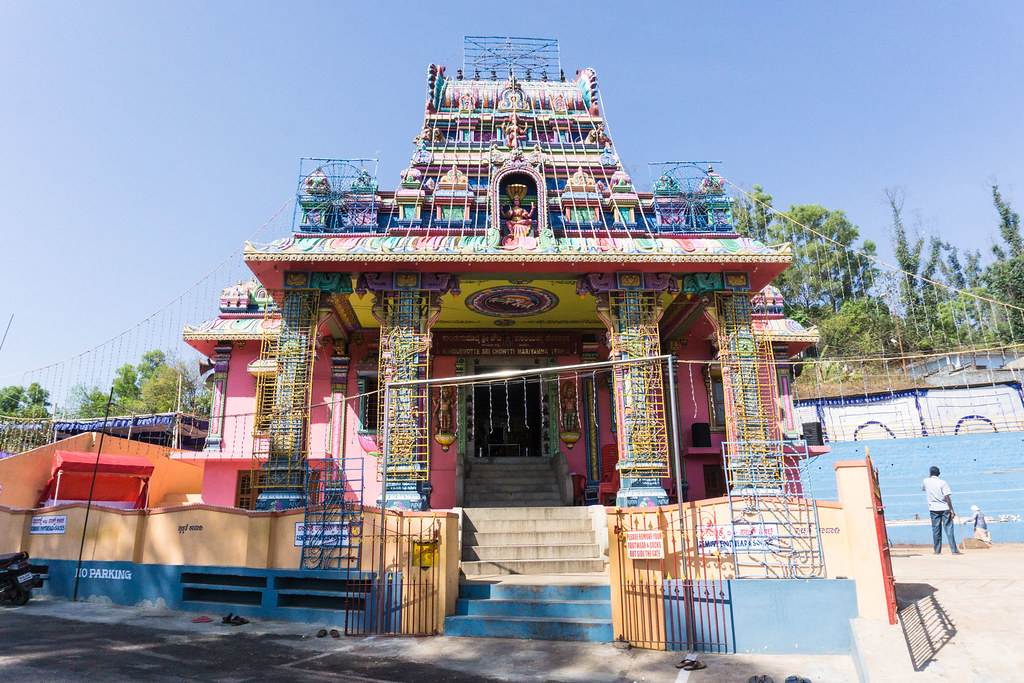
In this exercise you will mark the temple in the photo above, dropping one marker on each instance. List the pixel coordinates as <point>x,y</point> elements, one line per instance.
<point>513,242</point>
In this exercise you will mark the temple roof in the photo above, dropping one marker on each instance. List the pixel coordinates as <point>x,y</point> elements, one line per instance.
<point>476,248</point>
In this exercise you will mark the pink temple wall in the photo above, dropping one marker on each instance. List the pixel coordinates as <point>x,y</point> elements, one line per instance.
<point>362,357</point>
<point>442,465</point>
<point>220,470</point>
<point>692,395</point>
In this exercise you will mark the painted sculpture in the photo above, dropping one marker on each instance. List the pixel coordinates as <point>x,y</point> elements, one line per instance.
<point>518,221</point>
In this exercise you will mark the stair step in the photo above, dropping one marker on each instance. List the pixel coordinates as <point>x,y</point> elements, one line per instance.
<point>519,537</point>
<point>511,496</point>
<point>595,630</point>
<point>509,486</point>
<point>487,590</point>
<point>502,553</point>
<point>534,526</point>
<point>575,566</point>
<point>550,512</point>
<point>557,609</point>
<point>511,462</point>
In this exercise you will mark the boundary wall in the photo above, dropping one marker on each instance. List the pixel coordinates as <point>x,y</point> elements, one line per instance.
<point>986,470</point>
<point>201,557</point>
<point>688,597</point>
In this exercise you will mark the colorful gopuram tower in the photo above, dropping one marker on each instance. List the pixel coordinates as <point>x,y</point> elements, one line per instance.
<point>514,240</point>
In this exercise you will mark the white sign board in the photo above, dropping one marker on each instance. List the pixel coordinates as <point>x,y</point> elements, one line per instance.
<point>645,545</point>
<point>332,535</point>
<point>51,524</point>
<point>742,538</point>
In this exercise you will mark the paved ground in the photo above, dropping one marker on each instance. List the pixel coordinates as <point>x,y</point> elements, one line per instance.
<point>961,618</point>
<point>54,640</point>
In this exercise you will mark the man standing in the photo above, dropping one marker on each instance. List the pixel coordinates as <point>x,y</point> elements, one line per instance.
<point>941,508</point>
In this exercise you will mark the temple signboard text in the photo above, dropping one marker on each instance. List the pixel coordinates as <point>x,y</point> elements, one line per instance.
<point>506,343</point>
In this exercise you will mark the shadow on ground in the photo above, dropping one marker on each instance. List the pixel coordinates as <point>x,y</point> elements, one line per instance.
<point>926,625</point>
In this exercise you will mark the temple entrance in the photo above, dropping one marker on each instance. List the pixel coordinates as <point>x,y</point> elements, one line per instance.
<point>508,419</point>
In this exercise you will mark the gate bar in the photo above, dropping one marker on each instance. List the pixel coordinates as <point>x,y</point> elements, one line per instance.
<point>504,374</point>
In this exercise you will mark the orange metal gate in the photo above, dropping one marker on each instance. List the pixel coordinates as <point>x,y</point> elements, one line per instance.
<point>669,589</point>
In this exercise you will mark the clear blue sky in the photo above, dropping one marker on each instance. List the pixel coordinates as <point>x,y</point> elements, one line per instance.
<point>141,143</point>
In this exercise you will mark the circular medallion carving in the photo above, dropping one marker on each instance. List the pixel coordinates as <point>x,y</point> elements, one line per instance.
<point>511,302</point>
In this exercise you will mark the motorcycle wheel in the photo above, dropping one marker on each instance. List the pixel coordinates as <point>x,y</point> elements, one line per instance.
<point>21,597</point>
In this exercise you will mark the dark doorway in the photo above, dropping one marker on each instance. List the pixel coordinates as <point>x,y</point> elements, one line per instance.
<point>507,418</point>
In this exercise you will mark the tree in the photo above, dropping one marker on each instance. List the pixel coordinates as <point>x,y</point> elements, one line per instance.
<point>752,214</point>
<point>862,327</point>
<point>127,391</point>
<point>825,270</point>
<point>87,401</point>
<point>31,401</point>
<point>1005,275</point>
<point>152,386</point>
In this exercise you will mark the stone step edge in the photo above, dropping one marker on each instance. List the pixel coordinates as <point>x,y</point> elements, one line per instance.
<point>534,620</point>
<point>506,601</point>
<point>535,545</point>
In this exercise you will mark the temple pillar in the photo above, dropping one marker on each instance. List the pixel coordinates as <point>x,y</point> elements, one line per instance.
<point>406,305</point>
<point>630,306</point>
<point>221,362</point>
<point>292,349</point>
<point>339,385</point>
<point>753,452</point>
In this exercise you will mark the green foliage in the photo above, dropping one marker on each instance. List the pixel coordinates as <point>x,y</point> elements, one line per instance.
<point>1005,276</point>
<point>30,401</point>
<point>862,327</point>
<point>825,271</point>
<point>753,215</point>
<point>158,384</point>
<point>86,401</point>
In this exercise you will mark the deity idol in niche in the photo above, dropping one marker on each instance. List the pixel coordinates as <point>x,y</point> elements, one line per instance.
<point>518,220</point>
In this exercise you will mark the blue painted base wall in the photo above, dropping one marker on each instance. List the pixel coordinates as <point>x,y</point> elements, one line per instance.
<point>289,595</point>
<point>777,616</point>
<point>986,470</point>
<point>773,616</point>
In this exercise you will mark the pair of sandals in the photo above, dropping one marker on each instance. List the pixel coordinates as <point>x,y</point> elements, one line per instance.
<point>769,679</point>
<point>691,663</point>
<point>234,620</point>
<point>323,632</point>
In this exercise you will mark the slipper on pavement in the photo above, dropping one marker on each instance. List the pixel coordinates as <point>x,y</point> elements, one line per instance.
<point>763,678</point>
<point>238,620</point>
<point>202,620</point>
<point>798,679</point>
<point>335,633</point>
<point>693,665</point>
<point>321,633</point>
<point>227,619</point>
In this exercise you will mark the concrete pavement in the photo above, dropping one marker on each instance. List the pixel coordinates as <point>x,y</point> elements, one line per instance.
<point>961,620</point>
<point>63,641</point>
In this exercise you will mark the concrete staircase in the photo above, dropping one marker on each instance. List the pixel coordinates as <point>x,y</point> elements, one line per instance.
<point>545,612</point>
<point>511,482</point>
<point>530,540</point>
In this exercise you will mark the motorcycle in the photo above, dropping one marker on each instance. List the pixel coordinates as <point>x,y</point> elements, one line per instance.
<point>17,578</point>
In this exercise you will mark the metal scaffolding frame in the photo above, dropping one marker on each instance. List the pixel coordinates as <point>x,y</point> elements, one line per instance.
<point>640,400</point>
<point>690,197</point>
<point>332,529</point>
<point>772,511</point>
<point>279,459</point>
<point>336,196</point>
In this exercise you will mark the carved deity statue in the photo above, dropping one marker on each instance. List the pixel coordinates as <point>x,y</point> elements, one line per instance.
<point>518,220</point>
<point>444,405</point>
<point>597,137</point>
<point>567,403</point>
<point>514,132</point>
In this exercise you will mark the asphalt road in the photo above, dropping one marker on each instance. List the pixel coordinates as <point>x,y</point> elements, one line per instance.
<point>42,648</point>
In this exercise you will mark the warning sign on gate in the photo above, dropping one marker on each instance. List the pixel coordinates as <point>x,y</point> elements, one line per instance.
<point>645,545</point>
